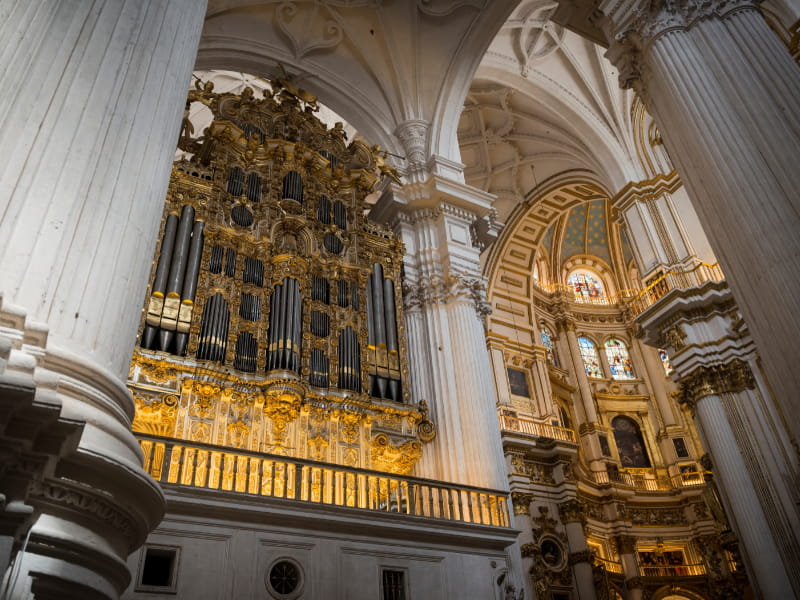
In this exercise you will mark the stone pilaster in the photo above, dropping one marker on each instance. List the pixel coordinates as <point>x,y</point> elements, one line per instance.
<point>446,306</point>
<point>91,114</point>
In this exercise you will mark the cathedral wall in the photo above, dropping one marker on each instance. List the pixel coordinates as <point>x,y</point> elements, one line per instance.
<point>227,548</point>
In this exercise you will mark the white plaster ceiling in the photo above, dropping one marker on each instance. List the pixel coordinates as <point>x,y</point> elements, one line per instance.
<point>546,103</point>
<point>378,63</point>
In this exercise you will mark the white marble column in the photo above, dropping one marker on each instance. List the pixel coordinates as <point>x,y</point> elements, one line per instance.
<point>626,546</point>
<point>724,92</point>
<point>580,557</point>
<point>646,357</point>
<point>450,366</point>
<point>89,118</point>
<point>766,568</point>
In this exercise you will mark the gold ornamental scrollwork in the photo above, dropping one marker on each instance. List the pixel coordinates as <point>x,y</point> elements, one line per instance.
<point>282,401</point>
<point>521,503</point>
<point>398,459</point>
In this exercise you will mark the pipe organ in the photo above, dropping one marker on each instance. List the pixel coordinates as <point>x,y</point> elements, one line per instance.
<point>274,306</point>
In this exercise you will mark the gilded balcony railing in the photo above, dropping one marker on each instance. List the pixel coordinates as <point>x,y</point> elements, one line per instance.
<point>672,570</point>
<point>533,428</point>
<point>213,467</point>
<point>651,484</point>
<point>674,279</point>
<point>610,565</point>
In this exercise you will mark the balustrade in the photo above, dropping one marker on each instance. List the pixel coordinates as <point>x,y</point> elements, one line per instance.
<point>214,467</point>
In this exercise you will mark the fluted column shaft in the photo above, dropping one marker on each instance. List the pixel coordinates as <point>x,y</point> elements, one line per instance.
<point>588,414</point>
<point>580,557</point>
<point>449,358</point>
<point>766,567</point>
<point>644,355</point>
<point>89,119</point>
<point>723,90</point>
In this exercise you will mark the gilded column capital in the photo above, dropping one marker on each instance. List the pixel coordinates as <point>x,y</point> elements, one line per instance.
<point>571,511</point>
<point>582,556</point>
<point>631,28</point>
<point>626,544</point>
<point>521,503</point>
<point>634,583</point>
<point>730,378</point>
<point>564,324</point>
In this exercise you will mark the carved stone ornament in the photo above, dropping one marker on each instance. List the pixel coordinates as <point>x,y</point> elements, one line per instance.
<point>414,136</point>
<point>583,556</point>
<point>440,289</point>
<point>521,502</point>
<point>731,378</point>
<point>426,430</point>
<point>85,501</point>
<point>571,511</point>
<point>635,31</point>
<point>626,544</point>
<point>634,583</point>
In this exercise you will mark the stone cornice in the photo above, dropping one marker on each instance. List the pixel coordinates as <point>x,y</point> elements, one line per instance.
<point>638,191</point>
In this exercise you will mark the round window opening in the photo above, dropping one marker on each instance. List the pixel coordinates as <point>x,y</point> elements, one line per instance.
<point>285,579</point>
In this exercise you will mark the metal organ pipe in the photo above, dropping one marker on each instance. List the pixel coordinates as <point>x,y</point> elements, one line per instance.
<point>390,314</point>
<point>189,288</point>
<point>377,303</point>
<point>180,255</point>
<point>160,282</point>
<point>165,258</point>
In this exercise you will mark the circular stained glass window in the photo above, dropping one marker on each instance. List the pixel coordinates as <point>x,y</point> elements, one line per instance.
<point>285,579</point>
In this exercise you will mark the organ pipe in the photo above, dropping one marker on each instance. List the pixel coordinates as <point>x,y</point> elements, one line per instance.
<point>165,259</point>
<point>243,223</point>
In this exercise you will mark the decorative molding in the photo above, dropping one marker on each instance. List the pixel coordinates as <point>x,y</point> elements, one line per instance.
<point>730,378</point>
<point>443,289</point>
<point>521,503</point>
<point>636,29</point>
<point>86,501</point>
<point>582,556</point>
<point>572,511</point>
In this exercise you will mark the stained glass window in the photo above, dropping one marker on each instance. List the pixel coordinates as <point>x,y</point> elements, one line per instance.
<point>619,361</point>
<point>665,361</point>
<point>547,342</point>
<point>591,360</point>
<point>586,287</point>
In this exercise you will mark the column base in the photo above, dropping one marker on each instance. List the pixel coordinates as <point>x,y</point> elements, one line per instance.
<point>76,501</point>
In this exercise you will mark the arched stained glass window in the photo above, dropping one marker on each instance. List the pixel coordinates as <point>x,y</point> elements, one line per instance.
<point>630,443</point>
<point>619,361</point>
<point>591,360</point>
<point>547,342</point>
<point>662,354</point>
<point>587,287</point>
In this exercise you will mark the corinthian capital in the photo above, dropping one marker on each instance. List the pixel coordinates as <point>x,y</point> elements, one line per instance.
<point>632,26</point>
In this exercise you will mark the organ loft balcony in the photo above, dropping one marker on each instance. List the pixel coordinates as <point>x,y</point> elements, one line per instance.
<point>272,361</point>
